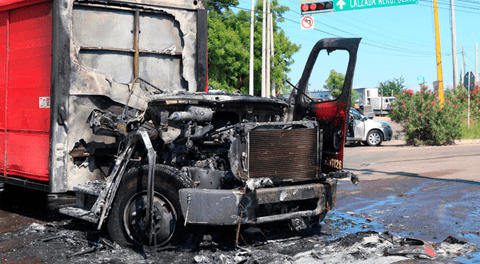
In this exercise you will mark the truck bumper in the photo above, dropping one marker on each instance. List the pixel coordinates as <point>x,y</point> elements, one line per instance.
<point>229,207</point>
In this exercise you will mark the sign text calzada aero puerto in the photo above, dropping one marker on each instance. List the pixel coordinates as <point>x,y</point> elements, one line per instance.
<point>345,5</point>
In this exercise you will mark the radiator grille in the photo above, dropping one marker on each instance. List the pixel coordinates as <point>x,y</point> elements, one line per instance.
<point>283,155</point>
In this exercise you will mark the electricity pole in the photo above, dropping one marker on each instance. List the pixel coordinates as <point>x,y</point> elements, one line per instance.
<point>439,55</point>
<point>476,63</point>
<point>274,92</point>
<point>264,25</point>
<point>267,63</point>
<point>252,17</point>
<point>454,45</point>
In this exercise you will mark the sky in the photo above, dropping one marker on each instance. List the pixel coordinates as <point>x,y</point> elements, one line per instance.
<point>397,41</point>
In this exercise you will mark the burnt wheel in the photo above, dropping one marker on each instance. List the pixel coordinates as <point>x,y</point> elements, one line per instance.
<point>374,138</point>
<point>127,224</point>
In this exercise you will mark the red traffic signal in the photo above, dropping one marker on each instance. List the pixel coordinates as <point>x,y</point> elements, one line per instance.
<point>307,7</point>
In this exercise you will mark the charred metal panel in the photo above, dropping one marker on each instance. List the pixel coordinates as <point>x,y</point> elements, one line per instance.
<point>167,46</point>
<point>215,207</point>
<point>92,67</point>
<point>79,130</point>
<point>206,179</point>
<point>160,31</point>
<point>202,56</point>
<point>61,74</point>
<point>227,207</point>
<point>163,71</point>
<point>290,193</point>
<point>181,4</point>
<point>101,27</point>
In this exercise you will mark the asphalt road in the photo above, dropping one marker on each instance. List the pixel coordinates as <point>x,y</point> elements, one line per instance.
<point>460,162</point>
<point>428,193</point>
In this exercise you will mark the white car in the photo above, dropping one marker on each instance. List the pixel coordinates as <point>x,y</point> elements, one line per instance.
<point>368,131</point>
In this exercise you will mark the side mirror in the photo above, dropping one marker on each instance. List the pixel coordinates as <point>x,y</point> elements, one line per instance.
<point>364,118</point>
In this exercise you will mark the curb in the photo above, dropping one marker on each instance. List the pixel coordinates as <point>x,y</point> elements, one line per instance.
<point>467,141</point>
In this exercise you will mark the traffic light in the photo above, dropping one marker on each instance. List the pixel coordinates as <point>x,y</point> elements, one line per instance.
<point>308,7</point>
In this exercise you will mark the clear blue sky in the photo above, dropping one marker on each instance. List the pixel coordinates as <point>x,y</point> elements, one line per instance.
<point>397,41</point>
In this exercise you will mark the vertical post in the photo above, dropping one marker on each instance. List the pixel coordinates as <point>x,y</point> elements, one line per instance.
<point>467,86</point>
<point>264,24</point>
<point>274,93</point>
<point>267,63</point>
<point>439,55</point>
<point>252,20</point>
<point>476,64</point>
<point>454,45</point>
<point>136,33</point>
<point>468,89</point>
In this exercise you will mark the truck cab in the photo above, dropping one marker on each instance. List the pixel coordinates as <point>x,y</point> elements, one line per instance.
<point>128,127</point>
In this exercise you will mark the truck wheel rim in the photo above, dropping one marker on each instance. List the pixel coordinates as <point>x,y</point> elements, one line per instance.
<point>164,219</point>
<point>374,138</point>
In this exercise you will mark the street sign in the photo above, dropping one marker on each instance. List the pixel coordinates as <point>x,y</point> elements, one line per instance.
<point>307,22</point>
<point>345,5</point>
<point>469,81</point>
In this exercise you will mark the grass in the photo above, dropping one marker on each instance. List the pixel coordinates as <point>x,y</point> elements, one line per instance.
<point>473,132</point>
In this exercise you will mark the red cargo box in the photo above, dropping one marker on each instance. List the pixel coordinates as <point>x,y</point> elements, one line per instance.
<point>25,74</point>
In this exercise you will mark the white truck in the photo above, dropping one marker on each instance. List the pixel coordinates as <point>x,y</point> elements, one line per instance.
<point>381,105</point>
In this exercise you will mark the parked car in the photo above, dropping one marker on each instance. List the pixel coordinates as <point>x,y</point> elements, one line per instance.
<point>368,131</point>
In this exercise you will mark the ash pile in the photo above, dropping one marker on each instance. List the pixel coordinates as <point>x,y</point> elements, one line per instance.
<point>76,242</point>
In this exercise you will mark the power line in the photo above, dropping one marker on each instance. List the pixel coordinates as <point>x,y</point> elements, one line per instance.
<point>366,41</point>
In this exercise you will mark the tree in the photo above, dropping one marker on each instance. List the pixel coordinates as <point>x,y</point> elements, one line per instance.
<point>391,87</point>
<point>229,47</point>
<point>334,83</point>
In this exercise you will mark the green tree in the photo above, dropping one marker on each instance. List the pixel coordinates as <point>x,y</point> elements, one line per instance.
<point>334,83</point>
<point>391,87</point>
<point>229,47</point>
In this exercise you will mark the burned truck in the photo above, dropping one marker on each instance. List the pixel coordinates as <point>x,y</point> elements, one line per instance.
<point>106,100</point>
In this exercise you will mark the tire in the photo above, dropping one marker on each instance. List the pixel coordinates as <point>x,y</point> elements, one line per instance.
<point>374,138</point>
<point>126,223</point>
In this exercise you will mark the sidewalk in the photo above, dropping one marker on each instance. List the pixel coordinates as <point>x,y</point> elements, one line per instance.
<point>397,140</point>
<point>467,141</point>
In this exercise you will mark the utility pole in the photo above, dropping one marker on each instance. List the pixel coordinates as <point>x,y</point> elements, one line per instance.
<point>267,63</point>
<point>454,45</point>
<point>468,89</point>
<point>252,20</point>
<point>274,92</point>
<point>264,25</point>
<point>439,55</point>
<point>476,63</point>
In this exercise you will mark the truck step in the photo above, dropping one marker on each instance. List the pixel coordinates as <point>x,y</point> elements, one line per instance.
<point>92,188</point>
<point>80,214</point>
<point>87,194</point>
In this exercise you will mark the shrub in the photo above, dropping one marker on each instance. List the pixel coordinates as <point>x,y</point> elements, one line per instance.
<point>424,121</point>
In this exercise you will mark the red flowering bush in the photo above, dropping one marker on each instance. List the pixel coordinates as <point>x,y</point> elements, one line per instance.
<point>424,121</point>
